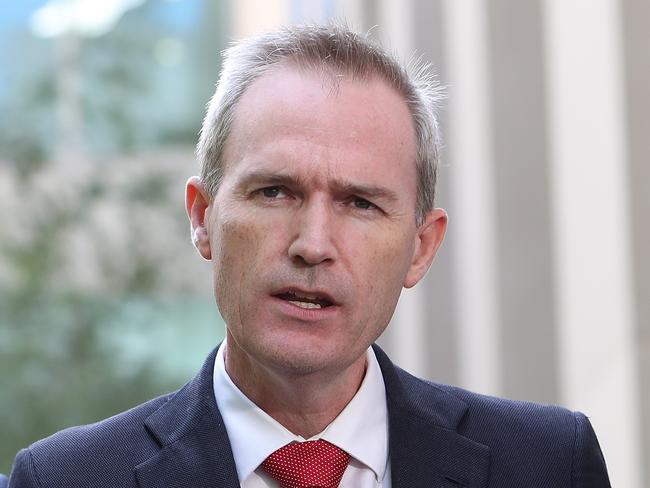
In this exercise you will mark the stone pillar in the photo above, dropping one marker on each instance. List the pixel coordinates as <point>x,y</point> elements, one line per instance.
<point>473,222</point>
<point>591,226</point>
<point>636,38</point>
<point>520,157</point>
<point>440,318</point>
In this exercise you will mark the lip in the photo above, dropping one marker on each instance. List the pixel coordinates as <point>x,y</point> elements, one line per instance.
<point>295,312</point>
<point>300,291</point>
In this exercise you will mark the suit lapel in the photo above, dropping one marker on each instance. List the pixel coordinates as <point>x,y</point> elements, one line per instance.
<point>425,448</point>
<point>195,450</point>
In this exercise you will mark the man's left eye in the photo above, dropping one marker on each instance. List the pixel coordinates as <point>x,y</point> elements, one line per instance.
<point>363,204</point>
<point>271,192</point>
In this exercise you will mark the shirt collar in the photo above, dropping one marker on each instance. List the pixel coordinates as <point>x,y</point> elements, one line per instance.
<point>361,429</point>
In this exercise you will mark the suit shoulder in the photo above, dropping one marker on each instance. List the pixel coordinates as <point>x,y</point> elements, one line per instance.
<point>524,437</point>
<point>83,437</point>
<point>494,414</point>
<point>480,414</point>
<point>528,437</point>
<point>73,453</point>
<point>503,408</point>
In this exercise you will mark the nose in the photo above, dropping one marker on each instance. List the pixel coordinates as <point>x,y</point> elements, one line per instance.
<point>314,231</point>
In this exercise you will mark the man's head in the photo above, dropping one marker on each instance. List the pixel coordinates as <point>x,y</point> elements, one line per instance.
<point>332,51</point>
<point>307,208</point>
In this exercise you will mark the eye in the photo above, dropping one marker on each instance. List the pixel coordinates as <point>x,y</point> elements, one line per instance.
<point>363,204</point>
<point>272,192</point>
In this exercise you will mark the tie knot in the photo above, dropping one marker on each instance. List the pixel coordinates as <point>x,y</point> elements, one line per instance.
<point>309,464</point>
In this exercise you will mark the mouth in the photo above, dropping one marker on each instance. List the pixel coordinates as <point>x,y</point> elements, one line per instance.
<point>306,300</point>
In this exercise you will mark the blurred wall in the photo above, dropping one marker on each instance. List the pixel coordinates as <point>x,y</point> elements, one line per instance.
<point>540,291</point>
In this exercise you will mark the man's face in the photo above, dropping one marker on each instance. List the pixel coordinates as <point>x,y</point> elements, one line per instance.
<point>312,233</point>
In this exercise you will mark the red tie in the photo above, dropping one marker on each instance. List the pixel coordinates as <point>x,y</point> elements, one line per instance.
<point>309,464</point>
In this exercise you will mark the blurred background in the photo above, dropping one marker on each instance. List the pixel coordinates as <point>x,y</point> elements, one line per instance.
<point>539,293</point>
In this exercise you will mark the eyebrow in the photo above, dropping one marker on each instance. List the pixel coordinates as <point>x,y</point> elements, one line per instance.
<point>273,178</point>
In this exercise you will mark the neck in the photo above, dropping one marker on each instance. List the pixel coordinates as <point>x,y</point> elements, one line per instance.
<point>305,403</point>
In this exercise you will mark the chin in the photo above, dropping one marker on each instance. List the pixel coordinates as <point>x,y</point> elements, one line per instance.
<point>300,360</point>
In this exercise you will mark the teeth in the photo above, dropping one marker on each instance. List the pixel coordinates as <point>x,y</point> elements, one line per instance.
<point>305,304</point>
<point>304,297</point>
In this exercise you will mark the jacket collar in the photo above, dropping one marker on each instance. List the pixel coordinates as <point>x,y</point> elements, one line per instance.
<point>425,448</point>
<point>195,450</point>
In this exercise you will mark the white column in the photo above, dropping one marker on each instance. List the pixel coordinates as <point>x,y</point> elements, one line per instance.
<point>472,226</point>
<point>592,233</point>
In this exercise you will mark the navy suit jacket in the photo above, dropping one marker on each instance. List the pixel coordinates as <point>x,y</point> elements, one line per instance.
<point>440,436</point>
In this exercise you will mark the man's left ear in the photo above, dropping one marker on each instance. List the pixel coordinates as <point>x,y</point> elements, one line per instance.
<point>428,238</point>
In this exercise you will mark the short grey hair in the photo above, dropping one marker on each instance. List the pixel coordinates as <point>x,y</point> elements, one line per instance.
<point>332,48</point>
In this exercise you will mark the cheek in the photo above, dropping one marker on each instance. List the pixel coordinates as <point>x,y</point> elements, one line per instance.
<point>381,264</point>
<point>232,237</point>
<point>231,261</point>
<point>241,246</point>
<point>387,256</point>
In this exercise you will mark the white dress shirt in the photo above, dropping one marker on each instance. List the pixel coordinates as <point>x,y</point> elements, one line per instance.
<point>361,430</point>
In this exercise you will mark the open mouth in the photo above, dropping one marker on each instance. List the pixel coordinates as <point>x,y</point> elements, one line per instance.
<point>304,300</point>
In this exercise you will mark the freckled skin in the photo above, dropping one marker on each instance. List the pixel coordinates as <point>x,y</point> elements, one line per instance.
<point>312,233</point>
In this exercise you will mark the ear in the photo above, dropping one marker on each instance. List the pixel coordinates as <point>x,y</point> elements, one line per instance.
<point>197,203</point>
<point>428,238</point>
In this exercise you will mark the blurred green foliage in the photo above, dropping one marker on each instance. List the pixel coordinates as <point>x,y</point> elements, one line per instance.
<point>56,370</point>
<point>73,352</point>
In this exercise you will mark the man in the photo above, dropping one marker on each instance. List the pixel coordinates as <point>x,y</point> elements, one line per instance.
<point>315,206</point>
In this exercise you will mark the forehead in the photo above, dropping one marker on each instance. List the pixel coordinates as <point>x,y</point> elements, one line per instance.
<point>361,127</point>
